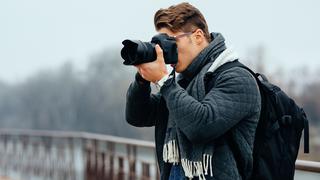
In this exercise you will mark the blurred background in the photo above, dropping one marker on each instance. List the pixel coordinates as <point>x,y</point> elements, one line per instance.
<point>61,74</point>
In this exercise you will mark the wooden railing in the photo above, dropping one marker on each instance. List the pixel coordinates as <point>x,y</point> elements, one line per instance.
<point>309,166</point>
<point>74,155</point>
<point>36,154</point>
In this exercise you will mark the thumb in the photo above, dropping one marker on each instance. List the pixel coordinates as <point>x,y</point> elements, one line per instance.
<point>159,52</point>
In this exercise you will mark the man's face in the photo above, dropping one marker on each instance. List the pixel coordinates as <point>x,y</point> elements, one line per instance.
<point>187,48</point>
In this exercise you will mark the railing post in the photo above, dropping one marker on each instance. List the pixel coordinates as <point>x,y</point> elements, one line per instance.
<point>145,171</point>
<point>95,151</point>
<point>88,163</point>
<point>110,153</point>
<point>121,173</point>
<point>103,167</point>
<point>132,154</point>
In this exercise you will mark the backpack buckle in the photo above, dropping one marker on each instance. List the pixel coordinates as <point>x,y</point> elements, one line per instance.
<point>262,77</point>
<point>286,120</point>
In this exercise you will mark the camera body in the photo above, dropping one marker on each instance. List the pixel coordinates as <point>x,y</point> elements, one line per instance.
<point>137,52</point>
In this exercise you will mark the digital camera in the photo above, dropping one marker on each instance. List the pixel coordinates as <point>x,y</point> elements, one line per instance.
<point>137,52</point>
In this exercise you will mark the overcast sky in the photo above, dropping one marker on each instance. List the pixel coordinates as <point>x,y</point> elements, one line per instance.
<point>43,34</point>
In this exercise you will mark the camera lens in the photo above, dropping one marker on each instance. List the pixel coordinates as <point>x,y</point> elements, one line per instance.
<point>137,52</point>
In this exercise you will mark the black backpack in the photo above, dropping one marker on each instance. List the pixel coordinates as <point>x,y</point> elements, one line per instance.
<point>278,132</point>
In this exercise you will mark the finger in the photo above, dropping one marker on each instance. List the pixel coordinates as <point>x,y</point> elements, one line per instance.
<point>141,71</point>
<point>138,66</point>
<point>159,52</point>
<point>142,74</point>
<point>138,69</point>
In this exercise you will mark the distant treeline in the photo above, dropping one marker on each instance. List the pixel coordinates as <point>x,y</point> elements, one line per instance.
<point>90,100</point>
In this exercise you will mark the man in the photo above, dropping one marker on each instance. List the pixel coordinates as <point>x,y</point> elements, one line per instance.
<point>193,124</point>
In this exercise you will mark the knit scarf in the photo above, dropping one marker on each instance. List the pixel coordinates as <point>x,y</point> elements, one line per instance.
<point>196,159</point>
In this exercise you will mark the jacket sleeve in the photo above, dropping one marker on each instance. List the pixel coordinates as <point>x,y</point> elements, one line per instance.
<point>141,105</point>
<point>234,97</point>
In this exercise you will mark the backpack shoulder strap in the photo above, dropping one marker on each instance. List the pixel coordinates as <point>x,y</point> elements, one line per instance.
<point>211,77</point>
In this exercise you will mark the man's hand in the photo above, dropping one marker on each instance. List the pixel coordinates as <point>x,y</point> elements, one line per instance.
<point>155,70</point>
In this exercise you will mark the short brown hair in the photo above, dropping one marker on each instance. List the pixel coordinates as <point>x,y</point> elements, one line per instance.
<point>181,17</point>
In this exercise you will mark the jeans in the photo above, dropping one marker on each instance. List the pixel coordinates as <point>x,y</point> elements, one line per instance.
<point>176,173</point>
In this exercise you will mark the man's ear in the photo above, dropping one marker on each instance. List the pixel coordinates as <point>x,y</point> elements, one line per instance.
<point>199,36</point>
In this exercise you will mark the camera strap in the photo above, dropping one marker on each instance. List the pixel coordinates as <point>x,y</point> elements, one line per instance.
<point>173,72</point>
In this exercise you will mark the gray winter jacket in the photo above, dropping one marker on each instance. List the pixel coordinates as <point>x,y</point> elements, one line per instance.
<point>231,107</point>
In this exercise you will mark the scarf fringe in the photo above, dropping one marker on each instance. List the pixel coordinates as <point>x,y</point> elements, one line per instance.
<point>191,168</point>
<point>171,152</point>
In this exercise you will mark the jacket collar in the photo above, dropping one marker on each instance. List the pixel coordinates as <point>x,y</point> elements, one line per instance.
<point>226,56</point>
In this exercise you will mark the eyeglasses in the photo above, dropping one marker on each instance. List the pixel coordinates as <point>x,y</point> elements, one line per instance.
<point>182,35</point>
